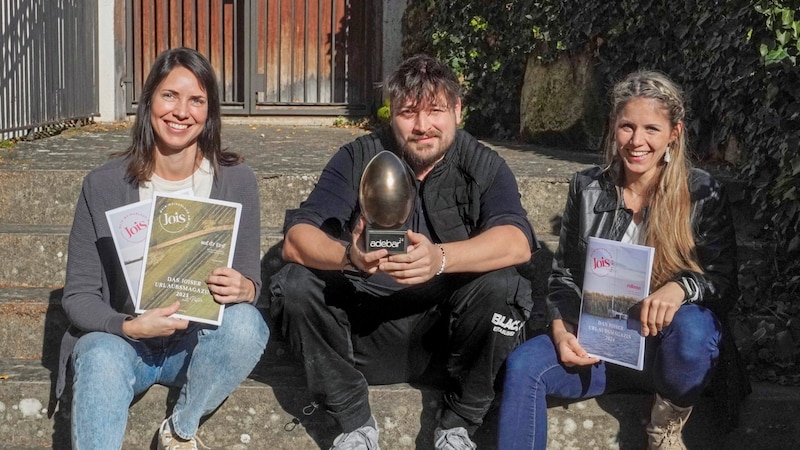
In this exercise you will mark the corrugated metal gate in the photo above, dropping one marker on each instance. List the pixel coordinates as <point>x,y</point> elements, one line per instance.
<point>276,57</point>
<point>48,63</point>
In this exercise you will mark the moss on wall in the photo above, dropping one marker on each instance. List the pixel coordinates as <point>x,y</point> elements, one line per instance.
<point>559,103</point>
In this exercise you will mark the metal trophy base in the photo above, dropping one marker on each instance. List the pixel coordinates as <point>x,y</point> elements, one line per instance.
<point>395,241</point>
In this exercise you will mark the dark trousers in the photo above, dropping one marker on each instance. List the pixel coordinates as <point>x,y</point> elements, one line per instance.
<point>350,331</point>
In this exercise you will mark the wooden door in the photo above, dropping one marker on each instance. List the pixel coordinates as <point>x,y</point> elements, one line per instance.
<point>272,57</point>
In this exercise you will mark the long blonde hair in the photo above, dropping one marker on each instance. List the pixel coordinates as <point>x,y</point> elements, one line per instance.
<point>668,224</point>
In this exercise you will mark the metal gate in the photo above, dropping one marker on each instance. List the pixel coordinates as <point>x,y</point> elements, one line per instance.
<point>272,57</point>
<point>48,63</point>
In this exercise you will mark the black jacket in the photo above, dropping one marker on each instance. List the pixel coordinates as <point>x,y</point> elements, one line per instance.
<point>593,210</point>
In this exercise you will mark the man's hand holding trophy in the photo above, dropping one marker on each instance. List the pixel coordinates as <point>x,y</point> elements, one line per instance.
<point>387,194</point>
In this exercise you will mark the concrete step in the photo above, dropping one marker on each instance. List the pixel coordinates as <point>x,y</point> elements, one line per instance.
<point>35,217</point>
<point>32,324</point>
<point>31,282</point>
<point>31,289</point>
<point>266,412</point>
<point>27,197</point>
<point>287,161</point>
<point>40,254</point>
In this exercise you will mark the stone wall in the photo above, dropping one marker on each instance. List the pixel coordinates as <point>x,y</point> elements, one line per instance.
<point>561,104</point>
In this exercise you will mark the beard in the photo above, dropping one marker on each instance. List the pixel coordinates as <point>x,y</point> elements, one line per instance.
<point>421,156</point>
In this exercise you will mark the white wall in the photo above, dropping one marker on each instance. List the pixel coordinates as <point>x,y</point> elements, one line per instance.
<point>107,80</point>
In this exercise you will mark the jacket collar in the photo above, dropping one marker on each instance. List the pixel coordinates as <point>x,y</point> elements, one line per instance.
<point>607,200</point>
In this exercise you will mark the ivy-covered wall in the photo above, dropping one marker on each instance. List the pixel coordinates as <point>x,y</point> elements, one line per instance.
<point>736,60</point>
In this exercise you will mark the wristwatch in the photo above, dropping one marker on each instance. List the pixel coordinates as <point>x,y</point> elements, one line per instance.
<point>691,292</point>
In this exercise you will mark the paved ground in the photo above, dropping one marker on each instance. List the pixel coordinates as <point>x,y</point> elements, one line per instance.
<point>267,148</point>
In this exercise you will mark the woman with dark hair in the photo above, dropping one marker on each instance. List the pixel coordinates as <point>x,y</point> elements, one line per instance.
<point>646,194</point>
<point>116,354</point>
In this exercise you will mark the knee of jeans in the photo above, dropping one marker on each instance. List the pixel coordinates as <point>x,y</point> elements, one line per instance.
<point>517,363</point>
<point>694,335</point>
<point>249,324</point>
<point>532,353</point>
<point>297,292</point>
<point>102,353</point>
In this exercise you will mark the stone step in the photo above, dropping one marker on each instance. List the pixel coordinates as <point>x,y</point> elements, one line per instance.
<point>267,412</point>
<point>40,254</point>
<point>31,282</point>
<point>32,324</point>
<point>30,303</point>
<point>286,160</point>
<point>27,197</point>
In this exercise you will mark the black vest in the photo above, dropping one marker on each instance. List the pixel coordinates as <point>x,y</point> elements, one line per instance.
<point>452,190</point>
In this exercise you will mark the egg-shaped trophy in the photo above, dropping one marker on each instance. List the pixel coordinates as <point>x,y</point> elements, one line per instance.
<point>386,193</point>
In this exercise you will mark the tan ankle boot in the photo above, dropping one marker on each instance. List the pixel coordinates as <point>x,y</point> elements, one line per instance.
<point>664,432</point>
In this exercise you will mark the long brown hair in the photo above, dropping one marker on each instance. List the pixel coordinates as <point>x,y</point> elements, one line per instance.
<point>140,157</point>
<point>668,224</point>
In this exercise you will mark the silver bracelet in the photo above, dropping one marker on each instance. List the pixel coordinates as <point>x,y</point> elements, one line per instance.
<point>444,260</point>
<point>691,292</point>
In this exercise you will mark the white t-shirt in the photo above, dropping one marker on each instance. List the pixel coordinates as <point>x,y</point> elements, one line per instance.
<point>199,182</point>
<point>633,233</point>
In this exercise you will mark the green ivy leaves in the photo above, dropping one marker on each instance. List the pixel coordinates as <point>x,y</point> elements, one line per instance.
<point>737,61</point>
<point>786,42</point>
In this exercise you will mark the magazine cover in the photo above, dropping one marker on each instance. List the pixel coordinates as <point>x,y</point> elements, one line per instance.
<point>128,225</point>
<point>616,279</point>
<point>188,238</point>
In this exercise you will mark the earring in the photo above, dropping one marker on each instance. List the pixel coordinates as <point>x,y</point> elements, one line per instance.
<point>667,155</point>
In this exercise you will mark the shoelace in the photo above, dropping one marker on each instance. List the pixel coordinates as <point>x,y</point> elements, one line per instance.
<point>672,431</point>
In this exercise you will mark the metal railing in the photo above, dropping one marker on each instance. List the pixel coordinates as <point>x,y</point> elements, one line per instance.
<point>48,64</point>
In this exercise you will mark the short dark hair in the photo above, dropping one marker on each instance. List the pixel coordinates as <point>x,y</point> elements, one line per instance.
<point>421,79</point>
<point>141,161</point>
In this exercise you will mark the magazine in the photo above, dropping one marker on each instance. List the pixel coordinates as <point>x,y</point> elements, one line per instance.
<point>616,279</point>
<point>128,225</point>
<point>188,238</point>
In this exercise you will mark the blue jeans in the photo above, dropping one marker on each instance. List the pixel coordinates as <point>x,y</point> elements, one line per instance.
<point>206,362</point>
<point>679,363</point>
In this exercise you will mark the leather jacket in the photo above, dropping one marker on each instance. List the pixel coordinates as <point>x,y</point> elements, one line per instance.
<point>593,210</point>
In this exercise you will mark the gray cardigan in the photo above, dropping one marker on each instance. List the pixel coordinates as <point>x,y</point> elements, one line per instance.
<point>95,294</point>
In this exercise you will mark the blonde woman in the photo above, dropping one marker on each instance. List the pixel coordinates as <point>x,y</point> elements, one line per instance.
<point>646,194</point>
